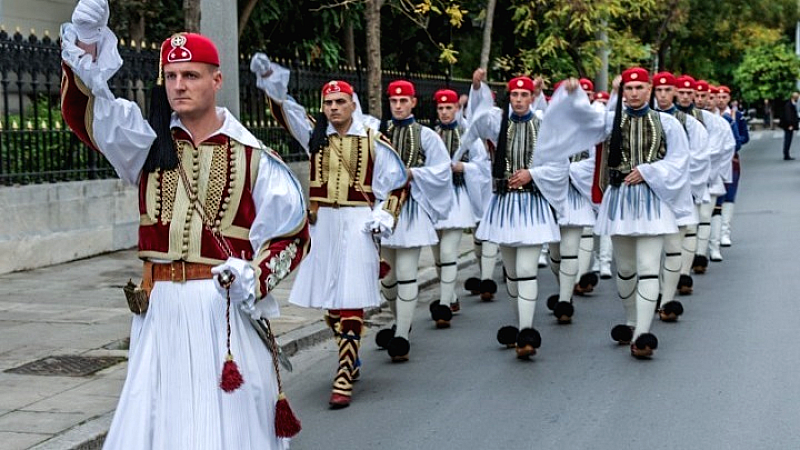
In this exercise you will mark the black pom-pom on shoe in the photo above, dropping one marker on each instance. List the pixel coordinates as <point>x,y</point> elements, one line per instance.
<point>700,264</point>
<point>670,311</point>
<point>384,336</point>
<point>473,285</point>
<point>623,334</point>
<point>441,315</point>
<point>528,340</point>
<point>507,336</point>
<point>563,312</point>
<point>488,288</point>
<point>398,349</point>
<point>685,285</point>
<point>552,301</point>
<point>644,346</point>
<point>587,282</point>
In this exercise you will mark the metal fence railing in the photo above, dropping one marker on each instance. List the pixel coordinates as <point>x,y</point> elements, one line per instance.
<point>37,147</point>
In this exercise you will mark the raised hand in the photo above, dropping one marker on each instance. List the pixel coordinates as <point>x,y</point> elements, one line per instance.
<point>89,18</point>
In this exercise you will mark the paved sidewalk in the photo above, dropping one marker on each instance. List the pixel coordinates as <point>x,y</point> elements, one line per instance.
<point>78,309</point>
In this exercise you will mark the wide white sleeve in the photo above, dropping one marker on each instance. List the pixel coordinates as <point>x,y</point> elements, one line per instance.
<point>280,210</point>
<point>669,177</point>
<point>480,100</point>
<point>485,126</point>
<point>569,126</point>
<point>430,184</point>
<point>290,113</point>
<point>699,158</point>
<point>118,128</point>
<point>552,180</point>
<point>389,172</point>
<point>728,150</point>
<point>477,175</point>
<point>581,174</point>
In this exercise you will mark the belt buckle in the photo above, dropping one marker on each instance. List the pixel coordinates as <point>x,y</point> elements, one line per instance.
<point>177,274</point>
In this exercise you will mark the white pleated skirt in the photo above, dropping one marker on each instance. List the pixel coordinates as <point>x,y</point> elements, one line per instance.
<point>461,215</point>
<point>414,228</point>
<point>633,210</point>
<point>341,270</point>
<point>517,219</point>
<point>579,211</point>
<point>171,398</point>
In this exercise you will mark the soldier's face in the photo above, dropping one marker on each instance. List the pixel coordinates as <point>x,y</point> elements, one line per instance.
<point>338,108</point>
<point>712,101</point>
<point>402,106</point>
<point>521,100</point>
<point>636,94</point>
<point>700,99</point>
<point>447,112</point>
<point>665,95</point>
<point>685,97</point>
<point>192,88</point>
<point>723,98</point>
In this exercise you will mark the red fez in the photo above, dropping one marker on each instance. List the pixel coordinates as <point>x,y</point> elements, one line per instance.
<point>602,95</point>
<point>334,86</point>
<point>685,82</point>
<point>712,89</point>
<point>586,84</point>
<point>724,89</point>
<point>555,86</point>
<point>189,47</point>
<point>401,88</point>
<point>663,79</point>
<point>520,83</point>
<point>445,96</point>
<point>635,74</point>
<point>701,86</point>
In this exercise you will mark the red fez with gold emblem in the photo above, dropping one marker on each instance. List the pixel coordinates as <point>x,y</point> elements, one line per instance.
<point>602,95</point>
<point>401,88</point>
<point>335,86</point>
<point>189,47</point>
<point>685,82</point>
<point>445,96</point>
<point>701,86</point>
<point>521,83</point>
<point>635,74</point>
<point>663,79</point>
<point>586,84</point>
<point>724,89</point>
<point>712,89</point>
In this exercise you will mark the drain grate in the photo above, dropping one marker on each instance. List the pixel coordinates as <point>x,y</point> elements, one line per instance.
<point>67,365</point>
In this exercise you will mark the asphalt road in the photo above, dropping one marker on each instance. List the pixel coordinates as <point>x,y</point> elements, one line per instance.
<point>724,377</point>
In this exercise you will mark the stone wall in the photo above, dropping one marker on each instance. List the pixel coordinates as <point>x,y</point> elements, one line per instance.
<point>47,224</point>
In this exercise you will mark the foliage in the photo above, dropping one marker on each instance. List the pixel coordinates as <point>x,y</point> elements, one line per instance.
<point>768,71</point>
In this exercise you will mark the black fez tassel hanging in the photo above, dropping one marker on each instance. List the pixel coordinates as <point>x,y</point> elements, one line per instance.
<point>499,164</point>
<point>162,153</point>
<point>615,146</point>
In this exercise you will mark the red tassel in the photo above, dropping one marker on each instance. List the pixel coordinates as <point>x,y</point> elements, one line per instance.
<point>231,377</point>
<point>286,423</point>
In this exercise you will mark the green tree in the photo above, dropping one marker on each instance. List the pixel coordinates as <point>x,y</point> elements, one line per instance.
<point>767,72</point>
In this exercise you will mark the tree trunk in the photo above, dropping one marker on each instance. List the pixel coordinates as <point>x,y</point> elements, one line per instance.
<point>191,15</point>
<point>246,12</point>
<point>349,38</point>
<point>373,21</point>
<point>487,34</point>
<point>136,29</point>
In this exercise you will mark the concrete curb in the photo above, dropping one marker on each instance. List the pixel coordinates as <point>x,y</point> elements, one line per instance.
<point>90,434</point>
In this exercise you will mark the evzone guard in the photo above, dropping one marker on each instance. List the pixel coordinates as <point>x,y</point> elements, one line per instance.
<point>429,199</point>
<point>664,84</point>
<point>471,174</point>
<point>519,218</point>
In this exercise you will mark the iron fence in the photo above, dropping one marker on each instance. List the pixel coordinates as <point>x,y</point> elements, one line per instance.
<point>37,147</point>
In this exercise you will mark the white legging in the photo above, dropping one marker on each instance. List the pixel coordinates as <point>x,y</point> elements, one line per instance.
<point>399,287</point>
<point>638,261</point>
<point>445,254</point>
<point>585,251</point>
<point>564,261</point>
<point>704,227</point>
<point>522,266</point>
<point>671,269</point>
<point>486,252</point>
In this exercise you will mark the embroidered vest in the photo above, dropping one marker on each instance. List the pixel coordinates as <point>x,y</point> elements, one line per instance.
<point>452,140</point>
<point>407,140</point>
<point>341,173</point>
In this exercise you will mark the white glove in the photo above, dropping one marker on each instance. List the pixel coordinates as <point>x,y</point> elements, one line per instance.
<point>381,223</point>
<point>243,287</point>
<point>89,18</point>
<point>260,65</point>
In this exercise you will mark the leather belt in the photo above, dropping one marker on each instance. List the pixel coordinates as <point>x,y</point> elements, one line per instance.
<point>178,271</point>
